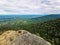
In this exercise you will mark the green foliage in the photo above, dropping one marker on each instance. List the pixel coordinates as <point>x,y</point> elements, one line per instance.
<point>49,30</point>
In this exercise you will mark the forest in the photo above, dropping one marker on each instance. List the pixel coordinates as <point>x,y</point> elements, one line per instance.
<point>49,30</point>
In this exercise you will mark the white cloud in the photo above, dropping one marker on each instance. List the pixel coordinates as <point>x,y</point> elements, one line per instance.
<point>29,6</point>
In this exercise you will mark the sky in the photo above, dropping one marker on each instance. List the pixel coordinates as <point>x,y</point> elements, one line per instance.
<point>29,6</point>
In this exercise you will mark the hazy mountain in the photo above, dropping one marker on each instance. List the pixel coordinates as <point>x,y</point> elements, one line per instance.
<point>28,18</point>
<point>18,16</point>
<point>46,17</point>
<point>4,18</point>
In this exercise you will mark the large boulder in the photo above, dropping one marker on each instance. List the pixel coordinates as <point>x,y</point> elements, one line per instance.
<point>21,37</point>
<point>29,39</point>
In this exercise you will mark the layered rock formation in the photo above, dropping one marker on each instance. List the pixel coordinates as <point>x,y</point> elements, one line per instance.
<point>21,37</point>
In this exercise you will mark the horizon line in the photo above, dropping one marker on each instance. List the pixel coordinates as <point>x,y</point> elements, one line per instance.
<point>25,14</point>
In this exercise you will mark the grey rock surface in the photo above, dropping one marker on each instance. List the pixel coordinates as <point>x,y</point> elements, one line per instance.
<point>29,39</point>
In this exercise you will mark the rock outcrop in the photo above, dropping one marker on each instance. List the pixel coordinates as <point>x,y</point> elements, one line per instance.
<point>21,37</point>
<point>7,37</point>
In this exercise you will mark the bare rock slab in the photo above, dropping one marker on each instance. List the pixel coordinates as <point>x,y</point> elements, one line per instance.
<point>27,38</point>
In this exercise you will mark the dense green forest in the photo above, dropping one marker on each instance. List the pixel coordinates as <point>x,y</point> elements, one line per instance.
<point>49,30</point>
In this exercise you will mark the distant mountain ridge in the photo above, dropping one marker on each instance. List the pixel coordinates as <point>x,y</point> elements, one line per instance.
<point>47,17</point>
<point>31,18</point>
<point>18,17</point>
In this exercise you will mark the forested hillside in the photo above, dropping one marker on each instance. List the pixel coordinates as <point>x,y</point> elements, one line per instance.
<point>49,30</point>
<point>46,17</point>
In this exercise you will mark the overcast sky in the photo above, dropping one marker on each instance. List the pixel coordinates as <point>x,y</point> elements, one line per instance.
<point>29,6</point>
